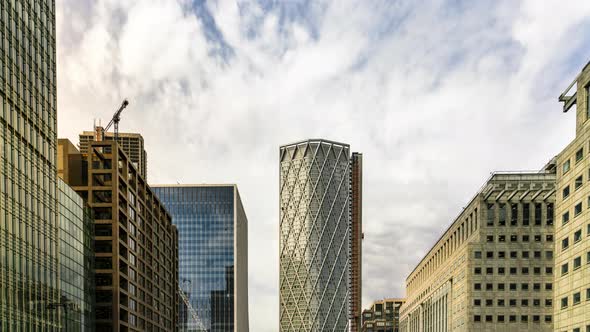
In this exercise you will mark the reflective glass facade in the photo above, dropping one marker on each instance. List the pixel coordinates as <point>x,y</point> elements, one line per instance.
<point>28,204</point>
<point>212,272</point>
<point>76,256</point>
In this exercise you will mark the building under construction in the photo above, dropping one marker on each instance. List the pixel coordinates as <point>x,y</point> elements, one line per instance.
<point>136,244</point>
<point>131,143</point>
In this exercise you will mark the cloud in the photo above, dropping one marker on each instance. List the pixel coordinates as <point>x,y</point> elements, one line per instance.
<point>435,95</point>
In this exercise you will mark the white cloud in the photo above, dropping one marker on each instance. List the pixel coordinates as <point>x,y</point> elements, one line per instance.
<point>435,95</point>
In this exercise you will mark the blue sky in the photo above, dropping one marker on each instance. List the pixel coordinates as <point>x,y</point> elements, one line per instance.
<point>436,95</point>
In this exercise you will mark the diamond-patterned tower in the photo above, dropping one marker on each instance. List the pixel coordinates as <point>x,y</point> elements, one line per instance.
<point>314,236</point>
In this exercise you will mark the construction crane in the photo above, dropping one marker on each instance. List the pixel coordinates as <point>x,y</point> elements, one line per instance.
<point>115,120</point>
<point>191,310</point>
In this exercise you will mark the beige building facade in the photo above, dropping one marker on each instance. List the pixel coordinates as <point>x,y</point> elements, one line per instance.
<point>493,269</point>
<point>572,229</point>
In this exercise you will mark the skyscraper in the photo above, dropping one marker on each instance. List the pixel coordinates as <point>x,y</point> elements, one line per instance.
<point>492,269</point>
<point>28,178</point>
<point>315,226</point>
<point>356,240</point>
<point>213,255</point>
<point>572,230</point>
<point>131,143</point>
<point>135,242</point>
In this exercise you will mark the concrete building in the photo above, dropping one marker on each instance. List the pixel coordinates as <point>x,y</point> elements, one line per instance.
<point>213,254</point>
<point>131,143</point>
<point>136,245</point>
<point>315,224</point>
<point>28,179</point>
<point>356,241</point>
<point>76,261</point>
<point>382,316</point>
<point>493,268</point>
<point>572,231</point>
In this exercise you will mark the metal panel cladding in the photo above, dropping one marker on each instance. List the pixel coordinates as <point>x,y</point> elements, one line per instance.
<point>314,236</point>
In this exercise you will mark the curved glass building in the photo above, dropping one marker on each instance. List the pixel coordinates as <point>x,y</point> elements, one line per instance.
<point>212,255</point>
<point>314,236</point>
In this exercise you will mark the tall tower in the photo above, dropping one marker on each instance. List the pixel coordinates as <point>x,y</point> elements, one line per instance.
<point>572,229</point>
<point>28,175</point>
<point>356,240</point>
<point>314,236</point>
<point>213,254</point>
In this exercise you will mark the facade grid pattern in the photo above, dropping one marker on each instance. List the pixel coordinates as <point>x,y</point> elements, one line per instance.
<point>28,185</point>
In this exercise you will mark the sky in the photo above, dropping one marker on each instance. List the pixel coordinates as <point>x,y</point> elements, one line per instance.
<point>435,94</point>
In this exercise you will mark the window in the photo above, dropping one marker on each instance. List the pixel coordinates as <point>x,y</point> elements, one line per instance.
<point>491,215</point>
<point>588,257</point>
<point>565,218</point>
<point>564,269</point>
<point>538,208</point>
<point>501,287</point>
<point>490,238</point>
<point>501,254</point>
<point>537,254</point>
<point>488,318</point>
<point>578,236</point>
<point>477,270</point>
<point>548,319</point>
<point>513,254</point>
<point>536,286</point>
<point>477,254</point>
<point>477,302</point>
<point>501,270</point>
<point>525,254</point>
<point>566,166</point>
<point>524,318</point>
<point>565,243</point>
<point>489,270</point>
<point>526,213</point>
<point>566,192</point>
<point>549,254</point>
<point>537,270</point>
<point>549,237</point>
<point>525,270</point>
<point>524,303</point>
<point>489,254</point>
<point>489,287</point>
<point>501,318</point>
<point>549,214</point>
<point>536,318</point>
<point>548,270</point>
<point>513,287</point>
<point>513,214</point>
<point>578,209</point>
<point>579,182</point>
<point>512,302</point>
<point>513,238</point>
<point>587,294</point>
<point>502,238</point>
<point>477,318</point>
<point>477,286</point>
<point>513,271</point>
<point>500,302</point>
<point>489,302</point>
<point>579,154</point>
<point>537,238</point>
<point>548,302</point>
<point>548,286</point>
<point>524,287</point>
<point>512,318</point>
<point>577,298</point>
<point>564,302</point>
<point>577,262</point>
<point>525,238</point>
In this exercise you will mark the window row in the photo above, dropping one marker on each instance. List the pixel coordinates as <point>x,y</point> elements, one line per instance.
<point>576,264</point>
<point>577,237</point>
<point>524,238</point>
<point>576,299</point>
<point>512,318</point>
<point>503,214</point>
<point>511,270</point>
<point>511,286</point>
<point>565,217</point>
<point>514,254</point>
<point>512,302</point>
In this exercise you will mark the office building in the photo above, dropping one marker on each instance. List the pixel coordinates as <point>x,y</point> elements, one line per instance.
<point>28,179</point>
<point>356,240</point>
<point>213,255</point>
<point>572,230</point>
<point>136,248</point>
<point>131,143</point>
<point>383,316</point>
<point>76,261</point>
<point>314,236</point>
<point>493,268</point>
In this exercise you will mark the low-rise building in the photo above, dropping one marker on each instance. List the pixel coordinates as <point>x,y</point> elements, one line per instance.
<point>383,316</point>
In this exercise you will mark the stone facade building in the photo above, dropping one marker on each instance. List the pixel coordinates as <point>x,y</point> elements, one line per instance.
<point>572,229</point>
<point>493,269</point>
